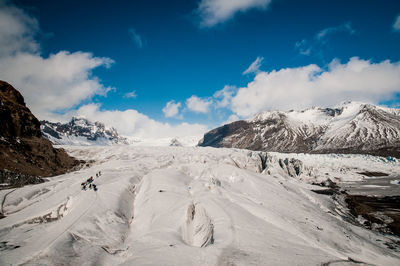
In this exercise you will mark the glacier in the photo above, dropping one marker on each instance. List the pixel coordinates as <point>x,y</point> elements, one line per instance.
<point>191,206</point>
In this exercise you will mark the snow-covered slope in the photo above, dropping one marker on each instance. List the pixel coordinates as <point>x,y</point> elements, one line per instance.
<point>352,127</point>
<point>80,131</point>
<point>186,206</point>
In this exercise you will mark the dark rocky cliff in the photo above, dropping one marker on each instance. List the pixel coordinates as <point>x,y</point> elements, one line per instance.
<point>25,155</point>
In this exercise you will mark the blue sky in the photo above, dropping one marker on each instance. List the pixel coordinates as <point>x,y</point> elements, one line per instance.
<point>165,51</point>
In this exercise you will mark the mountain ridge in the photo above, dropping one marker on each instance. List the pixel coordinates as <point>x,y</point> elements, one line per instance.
<point>81,131</point>
<point>352,127</point>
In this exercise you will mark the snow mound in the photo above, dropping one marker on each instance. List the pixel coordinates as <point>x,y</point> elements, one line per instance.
<point>198,230</point>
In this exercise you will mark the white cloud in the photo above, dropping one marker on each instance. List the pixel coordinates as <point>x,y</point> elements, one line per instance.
<point>317,43</point>
<point>58,82</point>
<point>198,105</point>
<point>133,123</point>
<point>301,87</point>
<point>396,24</point>
<point>213,12</point>
<point>17,30</point>
<point>131,94</point>
<point>255,66</point>
<point>225,96</point>
<point>136,38</point>
<point>345,27</point>
<point>171,109</point>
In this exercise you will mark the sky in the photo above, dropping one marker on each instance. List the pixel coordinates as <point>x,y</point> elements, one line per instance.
<point>156,69</point>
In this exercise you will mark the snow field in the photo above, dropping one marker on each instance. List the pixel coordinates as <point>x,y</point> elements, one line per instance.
<point>187,206</point>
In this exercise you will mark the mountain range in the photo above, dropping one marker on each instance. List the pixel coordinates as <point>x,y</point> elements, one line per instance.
<point>352,127</point>
<point>81,131</point>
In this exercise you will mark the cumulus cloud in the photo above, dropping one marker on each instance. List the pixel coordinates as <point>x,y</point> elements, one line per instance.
<point>49,84</point>
<point>135,37</point>
<point>58,82</point>
<point>396,24</point>
<point>171,109</point>
<point>213,12</point>
<point>133,123</point>
<point>317,43</point>
<point>223,97</point>
<point>255,66</point>
<point>198,105</point>
<point>131,94</point>
<point>311,85</point>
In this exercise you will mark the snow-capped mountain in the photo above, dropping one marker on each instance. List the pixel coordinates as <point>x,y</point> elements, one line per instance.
<point>80,131</point>
<point>352,127</point>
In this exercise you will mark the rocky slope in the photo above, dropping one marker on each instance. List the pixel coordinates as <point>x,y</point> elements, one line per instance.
<point>24,153</point>
<point>350,128</point>
<point>80,131</point>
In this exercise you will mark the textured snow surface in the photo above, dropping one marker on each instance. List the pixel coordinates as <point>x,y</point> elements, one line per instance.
<point>340,167</point>
<point>186,206</point>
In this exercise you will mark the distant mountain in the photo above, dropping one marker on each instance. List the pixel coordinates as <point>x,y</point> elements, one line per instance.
<point>175,143</point>
<point>24,154</point>
<point>80,131</point>
<point>352,127</point>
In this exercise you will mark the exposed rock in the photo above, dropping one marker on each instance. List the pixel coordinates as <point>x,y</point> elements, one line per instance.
<point>380,213</point>
<point>351,128</point>
<point>80,131</point>
<point>292,167</point>
<point>175,143</point>
<point>24,153</point>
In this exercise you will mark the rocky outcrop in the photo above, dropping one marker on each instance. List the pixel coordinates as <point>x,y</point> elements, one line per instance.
<point>350,128</point>
<point>25,155</point>
<point>175,143</point>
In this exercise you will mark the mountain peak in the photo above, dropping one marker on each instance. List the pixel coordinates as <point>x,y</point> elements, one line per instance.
<point>81,131</point>
<point>352,127</point>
